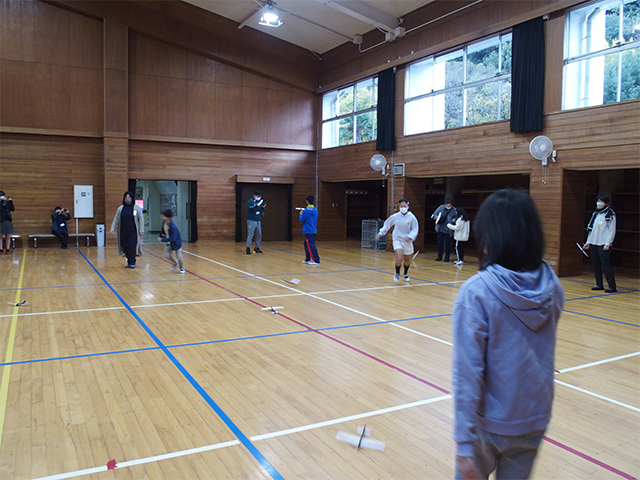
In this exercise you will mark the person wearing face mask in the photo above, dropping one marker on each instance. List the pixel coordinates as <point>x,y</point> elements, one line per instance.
<point>601,232</point>
<point>444,215</point>
<point>129,223</point>
<point>6,225</point>
<point>405,232</point>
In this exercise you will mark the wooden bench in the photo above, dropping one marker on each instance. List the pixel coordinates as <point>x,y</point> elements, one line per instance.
<point>36,236</point>
<point>13,237</point>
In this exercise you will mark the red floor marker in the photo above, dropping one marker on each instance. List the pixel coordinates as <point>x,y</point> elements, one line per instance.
<point>111,464</point>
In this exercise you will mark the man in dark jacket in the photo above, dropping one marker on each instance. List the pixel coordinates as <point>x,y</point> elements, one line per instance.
<point>255,208</point>
<point>59,228</point>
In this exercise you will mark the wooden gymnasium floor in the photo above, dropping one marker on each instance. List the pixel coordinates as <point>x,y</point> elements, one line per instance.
<point>185,376</point>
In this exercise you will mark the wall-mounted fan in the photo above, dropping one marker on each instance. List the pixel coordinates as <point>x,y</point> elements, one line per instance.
<point>541,148</point>
<point>379,163</point>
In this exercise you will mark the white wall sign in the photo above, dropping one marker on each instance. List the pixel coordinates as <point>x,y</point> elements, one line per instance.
<point>83,201</point>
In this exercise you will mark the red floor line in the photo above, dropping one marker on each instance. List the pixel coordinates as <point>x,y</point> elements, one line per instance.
<point>584,456</point>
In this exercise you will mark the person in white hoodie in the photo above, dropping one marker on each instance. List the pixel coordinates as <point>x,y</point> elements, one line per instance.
<point>460,227</point>
<point>504,336</point>
<point>405,232</point>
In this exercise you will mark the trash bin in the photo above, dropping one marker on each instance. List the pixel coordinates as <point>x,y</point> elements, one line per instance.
<point>100,235</point>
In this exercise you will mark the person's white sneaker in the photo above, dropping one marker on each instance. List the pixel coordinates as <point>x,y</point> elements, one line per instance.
<point>459,262</point>
<point>305,261</point>
<point>182,270</point>
<point>174,268</point>
<point>406,278</point>
<point>311,262</point>
<point>396,277</point>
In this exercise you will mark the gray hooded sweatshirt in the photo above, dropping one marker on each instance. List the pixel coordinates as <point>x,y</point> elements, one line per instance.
<point>504,334</point>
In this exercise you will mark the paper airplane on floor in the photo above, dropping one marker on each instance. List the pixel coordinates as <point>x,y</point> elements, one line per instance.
<point>24,302</point>
<point>272,309</point>
<point>293,281</point>
<point>361,440</point>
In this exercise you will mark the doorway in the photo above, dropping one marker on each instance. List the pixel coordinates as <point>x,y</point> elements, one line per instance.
<point>276,220</point>
<point>156,196</point>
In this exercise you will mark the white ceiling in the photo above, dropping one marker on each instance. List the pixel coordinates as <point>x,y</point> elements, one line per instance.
<point>317,25</point>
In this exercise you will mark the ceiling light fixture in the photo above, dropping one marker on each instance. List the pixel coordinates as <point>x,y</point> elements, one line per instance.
<point>270,17</point>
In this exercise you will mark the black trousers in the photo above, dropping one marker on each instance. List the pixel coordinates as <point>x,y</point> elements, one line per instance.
<point>601,261</point>
<point>460,250</point>
<point>444,245</point>
<point>63,236</point>
<point>130,253</point>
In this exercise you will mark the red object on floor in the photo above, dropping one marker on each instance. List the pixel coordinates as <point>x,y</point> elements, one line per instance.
<point>111,464</point>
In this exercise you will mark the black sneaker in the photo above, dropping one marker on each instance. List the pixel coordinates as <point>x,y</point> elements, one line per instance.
<point>257,250</point>
<point>610,290</point>
<point>447,259</point>
<point>248,251</point>
<point>439,259</point>
<point>597,288</point>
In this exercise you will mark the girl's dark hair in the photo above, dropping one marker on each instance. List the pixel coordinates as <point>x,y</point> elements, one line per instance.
<point>604,197</point>
<point>1,192</point>
<point>403,200</point>
<point>462,214</point>
<point>125,196</point>
<point>509,232</point>
<point>168,213</point>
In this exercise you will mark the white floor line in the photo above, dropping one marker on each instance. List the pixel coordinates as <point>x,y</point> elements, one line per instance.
<point>351,417</point>
<point>187,303</point>
<point>601,397</point>
<point>215,446</point>
<point>373,317</point>
<point>65,311</point>
<point>599,362</point>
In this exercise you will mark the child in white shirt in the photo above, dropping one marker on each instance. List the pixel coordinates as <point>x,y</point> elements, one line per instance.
<point>405,232</point>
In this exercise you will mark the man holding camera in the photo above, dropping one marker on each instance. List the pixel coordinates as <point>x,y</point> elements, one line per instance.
<point>59,220</point>
<point>255,208</point>
<point>6,225</point>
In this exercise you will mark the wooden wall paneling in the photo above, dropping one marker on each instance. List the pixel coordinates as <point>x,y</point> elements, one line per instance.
<point>279,121</point>
<point>18,107</point>
<point>116,78</point>
<point>255,108</point>
<point>228,75</point>
<point>116,176</point>
<point>228,120</point>
<point>86,109</point>
<point>51,26</point>
<point>201,109</point>
<point>143,54</point>
<point>554,32</point>
<point>39,172</point>
<point>52,86</point>
<point>303,114</point>
<point>16,29</point>
<point>201,68</point>
<point>172,61</point>
<point>572,228</point>
<point>143,104</point>
<point>172,107</point>
<point>85,42</point>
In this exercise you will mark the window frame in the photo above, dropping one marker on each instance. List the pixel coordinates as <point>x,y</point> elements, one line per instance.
<point>354,113</point>
<point>499,77</point>
<point>618,50</point>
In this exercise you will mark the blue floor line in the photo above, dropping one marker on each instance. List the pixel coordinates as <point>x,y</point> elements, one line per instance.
<point>223,416</point>
<point>601,295</point>
<point>602,318</point>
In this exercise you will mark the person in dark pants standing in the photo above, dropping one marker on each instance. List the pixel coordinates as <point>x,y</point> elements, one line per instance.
<point>6,225</point>
<point>130,225</point>
<point>255,208</point>
<point>602,231</point>
<point>59,228</point>
<point>444,215</point>
<point>309,220</point>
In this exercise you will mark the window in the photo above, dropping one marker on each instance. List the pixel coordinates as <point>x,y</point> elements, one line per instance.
<point>469,86</point>
<point>349,114</point>
<point>602,54</point>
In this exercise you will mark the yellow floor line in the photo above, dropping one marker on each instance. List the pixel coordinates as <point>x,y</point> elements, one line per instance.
<point>6,370</point>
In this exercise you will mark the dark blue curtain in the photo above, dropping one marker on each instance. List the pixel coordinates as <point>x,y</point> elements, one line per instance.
<point>527,76</point>
<point>386,110</point>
